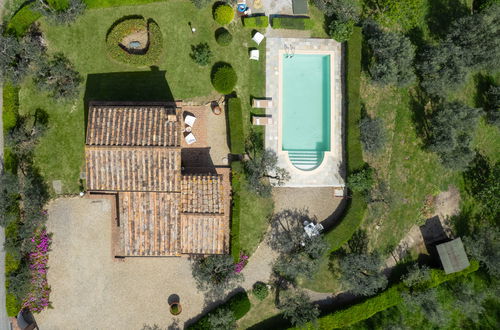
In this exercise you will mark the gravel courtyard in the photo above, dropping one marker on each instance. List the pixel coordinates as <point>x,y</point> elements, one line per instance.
<point>92,290</point>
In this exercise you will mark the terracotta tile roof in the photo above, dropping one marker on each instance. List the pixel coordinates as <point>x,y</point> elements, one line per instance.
<point>140,125</point>
<point>133,169</point>
<point>204,234</point>
<point>149,223</point>
<point>202,194</point>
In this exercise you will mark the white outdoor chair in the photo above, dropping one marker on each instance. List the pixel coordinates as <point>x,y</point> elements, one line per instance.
<point>262,103</point>
<point>189,120</point>
<point>258,37</point>
<point>254,54</point>
<point>190,139</point>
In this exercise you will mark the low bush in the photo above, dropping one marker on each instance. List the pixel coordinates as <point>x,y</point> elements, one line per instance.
<point>22,20</point>
<point>223,37</point>
<point>12,304</point>
<point>200,3</point>
<point>236,134</point>
<point>223,78</point>
<point>201,53</point>
<point>10,106</point>
<point>256,22</point>
<point>124,27</point>
<point>236,173</point>
<point>11,263</point>
<point>260,290</point>
<point>223,14</point>
<point>292,23</point>
<point>341,31</point>
<point>239,305</point>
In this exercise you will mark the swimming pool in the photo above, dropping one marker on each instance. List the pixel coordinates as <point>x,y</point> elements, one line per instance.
<point>306,108</point>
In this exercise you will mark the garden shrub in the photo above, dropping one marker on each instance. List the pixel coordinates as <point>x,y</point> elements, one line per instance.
<point>11,263</point>
<point>236,173</point>
<point>201,53</point>
<point>260,290</point>
<point>124,27</point>
<point>239,305</point>
<point>12,305</point>
<point>223,78</point>
<point>256,22</point>
<point>223,37</point>
<point>341,31</point>
<point>22,20</point>
<point>223,14</point>
<point>236,134</point>
<point>200,3</point>
<point>292,23</point>
<point>10,106</point>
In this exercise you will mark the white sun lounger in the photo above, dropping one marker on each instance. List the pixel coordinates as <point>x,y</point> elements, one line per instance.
<point>190,139</point>
<point>258,37</point>
<point>189,120</point>
<point>254,54</point>
<point>262,103</point>
<point>262,120</point>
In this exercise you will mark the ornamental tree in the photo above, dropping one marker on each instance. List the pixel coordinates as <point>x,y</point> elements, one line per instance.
<point>298,308</point>
<point>215,273</point>
<point>61,14</point>
<point>262,167</point>
<point>223,14</point>
<point>58,77</point>
<point>361,273</point>
<point>201,53</point>
<point>372,134</point>
<point>484,245</point>
<point>223,319</point>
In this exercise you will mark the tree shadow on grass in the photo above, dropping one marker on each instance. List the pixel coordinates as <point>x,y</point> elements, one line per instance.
<point>483,83</point>
<point>127,87</point>
<point>442,13</point>
<point>418,103</point>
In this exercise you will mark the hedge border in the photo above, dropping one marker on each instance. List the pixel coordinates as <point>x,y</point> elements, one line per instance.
<point>256,22</point>
<point>292,23</point>
<point>236,134</point>
<point>239,304</point>
<point>22,20</point>
<point>121,28</point>
<point>236,172</point>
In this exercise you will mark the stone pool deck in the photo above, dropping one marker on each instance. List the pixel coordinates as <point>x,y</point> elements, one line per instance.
<point>331,172</point>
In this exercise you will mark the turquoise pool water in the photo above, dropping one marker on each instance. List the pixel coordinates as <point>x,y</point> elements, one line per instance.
<point>306,108</point>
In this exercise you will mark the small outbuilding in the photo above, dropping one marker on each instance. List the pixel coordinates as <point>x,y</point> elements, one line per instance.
<point>452,255</point>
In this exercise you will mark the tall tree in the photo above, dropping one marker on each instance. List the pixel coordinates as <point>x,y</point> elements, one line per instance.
<point>222,319</point>
<point>361,273</point>
<point>298,308</point>
<point>428,304</point>
<point>452,126</point>
<point>484,245</point>
<point>58,77</point>
<point>215,274</point>
<point>261,168</point>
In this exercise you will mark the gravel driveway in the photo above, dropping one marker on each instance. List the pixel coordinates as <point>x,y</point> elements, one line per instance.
<point>92,290</point>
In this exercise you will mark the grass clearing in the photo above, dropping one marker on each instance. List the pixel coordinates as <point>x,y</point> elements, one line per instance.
<point>260,311</point>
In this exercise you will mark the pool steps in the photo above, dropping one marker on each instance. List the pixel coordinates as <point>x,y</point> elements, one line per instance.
<point>305,160</point>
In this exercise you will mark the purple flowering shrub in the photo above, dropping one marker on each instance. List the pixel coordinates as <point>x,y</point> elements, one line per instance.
<point>238,267</point>
<point>38,296</point>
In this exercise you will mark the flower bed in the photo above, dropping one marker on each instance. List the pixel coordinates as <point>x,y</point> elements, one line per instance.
<point>238,267</point>
<point>124,27</point>
<point>38,296</point>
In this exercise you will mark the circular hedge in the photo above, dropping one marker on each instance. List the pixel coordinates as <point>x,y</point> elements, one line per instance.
<point>223,14</point>
<point>223,37</point>
<point>224,78</point>
<point>260,290</point>
<point>124,27</point>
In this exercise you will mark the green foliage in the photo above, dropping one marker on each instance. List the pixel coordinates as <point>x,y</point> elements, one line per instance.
<point>58,77</point>
<point>427,303</point>
<point>393,55</point>
<point>222,319</point>
<point>405,13</point>
<point>224,78</point>
<point>260,290</point>
<point>361,180</point>
<point>256,22</point>
<point>13,305</point>
<point>298,308</point>
<point>9,195</point>
<point>12,263</point>
<point>260,169</point>
<point>201,53</point>
<point>215,273</point>
<point>236,134</point>
<point>292,23</point>
<point>451,127</point>
<point>10,106</point>
<point>223,14</point>
<point>341,31</point>
<point>373,135</point>
<point>360,273</point>
<point>117,3</point>
<point>492,106</point>
<point>61,11</point>
<point>484,245</point>
<point>22,20</point>
<point>223,37</point>
<point>239,305</point>
<point>124,27</point>
<point>236,173</point>
<point>58,4</point>
<point>416,275</point>
<point>201,3</point>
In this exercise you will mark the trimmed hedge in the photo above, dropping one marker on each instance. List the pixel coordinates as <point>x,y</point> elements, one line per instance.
<point>223,14</point>
<point>223,37</point>
<point>116,3</point>
<point>22,20</point>
<point>389,298</point>
<point>292,23</point>
<point>236,173</point>
<point>224,78</point>
<point>256,22</point>
<point>239,304</point>
<point>124,27</point>
<point>10,106</point>
<point>356,207</point>
<point>236,134</point>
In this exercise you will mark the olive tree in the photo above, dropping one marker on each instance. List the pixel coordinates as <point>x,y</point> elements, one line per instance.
<point>61,14</point>
<point>58,77</point>
<point>372,134</point>
<point>261,168</point>
<point>298,308</point>
<point>215,273</point>
<point>484,245</point>
<point>361,273</point>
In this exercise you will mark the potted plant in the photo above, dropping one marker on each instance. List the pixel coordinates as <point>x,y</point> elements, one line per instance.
<point>175,308</point>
